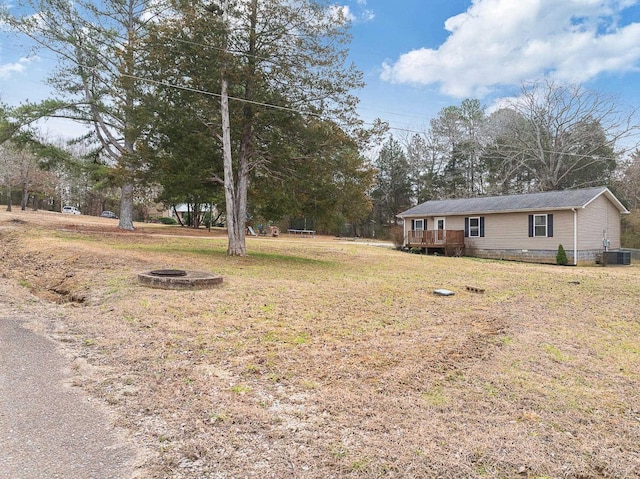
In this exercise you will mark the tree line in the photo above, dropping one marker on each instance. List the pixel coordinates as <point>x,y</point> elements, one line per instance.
<point>251,105</point>
<point>550,137</point>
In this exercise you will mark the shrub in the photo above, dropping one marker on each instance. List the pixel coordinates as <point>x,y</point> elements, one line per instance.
<point>561,256</point>
<point>397,235</point>
<point>167,221</point>
<point>630,235</point>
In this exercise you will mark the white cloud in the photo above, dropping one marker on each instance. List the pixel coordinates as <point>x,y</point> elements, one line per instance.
<point>8,69</point>
<point>367,15</point>
<point>341,13</point>
<point>503,42</point>
<point>358,15</point>
<point>345,13</point>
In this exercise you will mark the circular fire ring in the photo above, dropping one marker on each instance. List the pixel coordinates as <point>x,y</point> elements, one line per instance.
<point>179,279</point>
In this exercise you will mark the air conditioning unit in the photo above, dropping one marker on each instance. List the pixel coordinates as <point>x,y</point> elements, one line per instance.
<point>617,257</point>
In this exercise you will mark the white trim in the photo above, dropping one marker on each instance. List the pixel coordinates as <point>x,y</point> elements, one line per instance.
<point>546,226</point>
<point>478,227</point>
<point>437,229</point>
<point>575,237</point>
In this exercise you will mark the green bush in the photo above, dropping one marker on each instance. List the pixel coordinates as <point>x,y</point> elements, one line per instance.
<point>561,256</point>
<point>167,221</point>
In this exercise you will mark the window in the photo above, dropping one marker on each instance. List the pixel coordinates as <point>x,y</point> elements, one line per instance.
<point>541,226</point>
<point>474,227</point>
<point>418,225</point>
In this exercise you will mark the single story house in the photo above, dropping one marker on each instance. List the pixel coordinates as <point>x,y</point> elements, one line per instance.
<point>180,210</point>
<point>526,227</point>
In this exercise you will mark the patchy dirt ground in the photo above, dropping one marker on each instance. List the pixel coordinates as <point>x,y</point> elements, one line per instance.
<point>320,358</point>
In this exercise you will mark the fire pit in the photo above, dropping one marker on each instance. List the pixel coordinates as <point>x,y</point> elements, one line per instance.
<point>168,272</point>
<point>179,279</point>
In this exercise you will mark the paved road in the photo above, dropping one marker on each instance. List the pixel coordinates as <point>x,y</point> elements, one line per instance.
<point>48,429</point>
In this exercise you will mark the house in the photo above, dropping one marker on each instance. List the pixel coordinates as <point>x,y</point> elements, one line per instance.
<point>180,211</point>
<point>527,227</point>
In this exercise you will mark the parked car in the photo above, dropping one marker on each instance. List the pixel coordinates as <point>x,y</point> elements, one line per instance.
<point>109,214</point>
<point>71,210</point>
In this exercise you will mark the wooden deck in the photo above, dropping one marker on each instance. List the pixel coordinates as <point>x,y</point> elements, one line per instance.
<point>436,239</point>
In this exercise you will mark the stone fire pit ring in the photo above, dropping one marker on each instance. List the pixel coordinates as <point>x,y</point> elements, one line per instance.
<point>179,279</point>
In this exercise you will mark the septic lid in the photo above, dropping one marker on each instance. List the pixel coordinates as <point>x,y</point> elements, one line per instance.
<point>169,272</point>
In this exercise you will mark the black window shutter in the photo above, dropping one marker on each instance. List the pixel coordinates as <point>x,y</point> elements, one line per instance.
<point>550,226</point>
<point>482,226</point>
<point>413,225</point>
<point>466,227</point>
<point>530,226</point>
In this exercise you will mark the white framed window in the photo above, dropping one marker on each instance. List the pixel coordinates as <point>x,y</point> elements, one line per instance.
<point>540,225</point>
<point>418,225</point>
<point>474,227</point>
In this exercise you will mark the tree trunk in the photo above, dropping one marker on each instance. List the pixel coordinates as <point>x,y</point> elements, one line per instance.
<point>236,206</point>
<point>8,197</point>
<point>236,212</point>
<point>175,211</point>
<point>25,197</point>
<point>126,207</point>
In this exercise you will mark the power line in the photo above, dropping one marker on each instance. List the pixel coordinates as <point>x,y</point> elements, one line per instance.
<point>263,104</point>
<point>282,108</point>
<point>243,100</point>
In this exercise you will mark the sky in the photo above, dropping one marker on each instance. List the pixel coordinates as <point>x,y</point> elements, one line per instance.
<point>419,56</point>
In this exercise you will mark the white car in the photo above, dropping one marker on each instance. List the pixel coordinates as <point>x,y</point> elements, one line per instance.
<point>71,210</point>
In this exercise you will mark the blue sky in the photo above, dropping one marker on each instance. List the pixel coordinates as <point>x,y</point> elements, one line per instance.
<point>419,56</point>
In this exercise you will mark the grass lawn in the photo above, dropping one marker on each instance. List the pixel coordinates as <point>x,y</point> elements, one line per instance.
<point>322,358</point>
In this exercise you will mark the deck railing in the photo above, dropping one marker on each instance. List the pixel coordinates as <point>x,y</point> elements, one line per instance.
<point>436,239</point>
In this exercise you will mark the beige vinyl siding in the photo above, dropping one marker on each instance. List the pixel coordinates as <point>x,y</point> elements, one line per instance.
<point>599,215</point>
<point>511,231</point>
<point>450,222</point>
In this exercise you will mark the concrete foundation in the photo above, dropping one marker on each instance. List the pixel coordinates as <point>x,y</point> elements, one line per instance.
<point>585,258</point>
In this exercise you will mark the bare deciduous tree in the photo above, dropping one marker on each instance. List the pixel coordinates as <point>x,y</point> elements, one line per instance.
<point>629,181</point>
<point>562,136</point>
<point>20,168</point>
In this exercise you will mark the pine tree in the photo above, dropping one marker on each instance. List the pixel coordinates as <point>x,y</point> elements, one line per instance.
<point>561,256</point>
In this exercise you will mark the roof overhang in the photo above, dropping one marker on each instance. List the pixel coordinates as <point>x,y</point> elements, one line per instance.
<point>609,195</point>
<point>485,212</point>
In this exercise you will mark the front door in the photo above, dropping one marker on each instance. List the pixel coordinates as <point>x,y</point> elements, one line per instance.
<point>440,230</point>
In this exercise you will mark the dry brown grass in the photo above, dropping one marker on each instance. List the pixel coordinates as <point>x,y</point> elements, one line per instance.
<point>321,358</point>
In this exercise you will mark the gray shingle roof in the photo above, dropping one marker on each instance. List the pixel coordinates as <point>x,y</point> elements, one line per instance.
<point>551,200</point>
